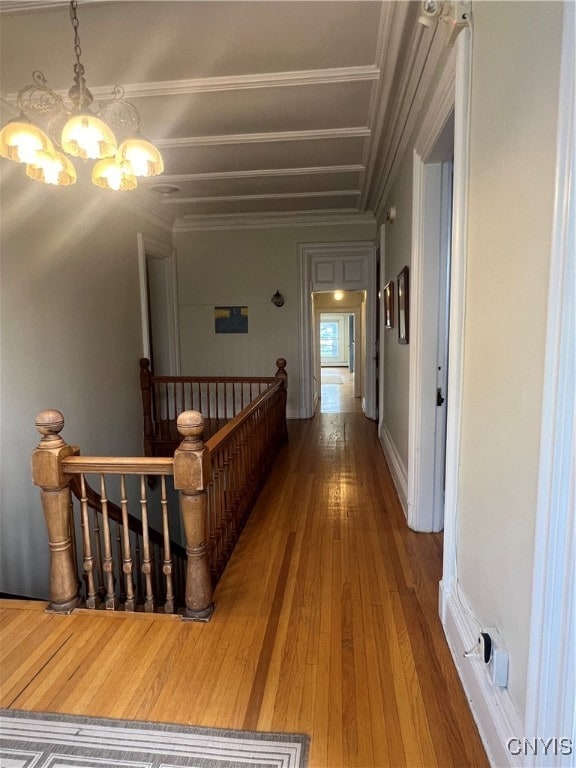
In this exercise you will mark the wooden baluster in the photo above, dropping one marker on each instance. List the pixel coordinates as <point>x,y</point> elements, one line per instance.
<point>127,564</point>
<point>146,558</point>
<point>146,391</point>
<point>167,565</point>
<point>108,566</point>
<point>55,495</point>
<point>192,473</point>
<point>98,563</point>
<point>121,581</point>
<point>138,592</point>
<point>91,601</point>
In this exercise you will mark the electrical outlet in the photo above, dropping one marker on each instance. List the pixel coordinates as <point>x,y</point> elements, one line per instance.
<point>498,661</point>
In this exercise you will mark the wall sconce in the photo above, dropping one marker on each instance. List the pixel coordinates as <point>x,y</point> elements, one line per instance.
<point>391,215</point>
<point>277,299</point>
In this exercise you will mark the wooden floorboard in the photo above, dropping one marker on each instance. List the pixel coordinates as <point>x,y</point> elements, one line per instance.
<point>325,623</point>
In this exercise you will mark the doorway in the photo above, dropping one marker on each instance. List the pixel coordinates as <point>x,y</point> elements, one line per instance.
<point>428,395</point>
<point>326,268</point>
<point>340,345</point>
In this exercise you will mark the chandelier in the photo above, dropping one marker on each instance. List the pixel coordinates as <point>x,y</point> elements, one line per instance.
<point>79,131</point>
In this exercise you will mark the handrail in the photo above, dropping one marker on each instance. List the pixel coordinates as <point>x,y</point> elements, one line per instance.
<point>218,398</point>
<point>217,484</point>
<point>215,442</point>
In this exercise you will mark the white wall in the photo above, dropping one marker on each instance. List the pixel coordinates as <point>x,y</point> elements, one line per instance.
<point>71,340</point>
<point>245,268</point>
<point>512,152</point>
<point>395,367</point>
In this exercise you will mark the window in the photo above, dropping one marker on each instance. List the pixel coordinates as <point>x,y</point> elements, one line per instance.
<point>330,339</point>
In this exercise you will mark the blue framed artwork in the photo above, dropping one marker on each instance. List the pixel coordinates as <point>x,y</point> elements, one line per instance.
<point>231,319</point>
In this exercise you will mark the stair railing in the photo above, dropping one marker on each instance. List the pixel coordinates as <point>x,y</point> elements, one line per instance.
<point>125,561</point>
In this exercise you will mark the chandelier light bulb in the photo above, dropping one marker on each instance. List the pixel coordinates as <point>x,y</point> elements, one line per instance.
<point>52,169</point>
<point>21,141</point>
<point>88,137</point>
<point>142,156</point>
<point>86,134</point>
<point>109,174</point>
<point>338,295</point>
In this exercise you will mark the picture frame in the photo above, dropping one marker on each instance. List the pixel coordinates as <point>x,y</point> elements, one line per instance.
<point>389,304</point>
<point>403,306</point>
<point>231,319</point>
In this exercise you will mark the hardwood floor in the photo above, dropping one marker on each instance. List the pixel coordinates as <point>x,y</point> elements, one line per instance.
<point>325,623</point>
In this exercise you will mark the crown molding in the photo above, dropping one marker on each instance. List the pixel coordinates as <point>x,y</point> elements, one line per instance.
<point>255,173</point>
<point>272,220</point>
<point>234,83</point>
<point>243,82</point>
<point>259,138</point>
<point>427,60</point>
<point>269,196</point>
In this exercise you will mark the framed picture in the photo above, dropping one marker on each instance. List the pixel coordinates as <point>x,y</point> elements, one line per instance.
<point>389,304</point>
<point>231,319</point>
<point>403,307</point>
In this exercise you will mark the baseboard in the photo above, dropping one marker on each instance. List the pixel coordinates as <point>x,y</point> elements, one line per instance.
<point>496,716</point>
<point>396,465</point>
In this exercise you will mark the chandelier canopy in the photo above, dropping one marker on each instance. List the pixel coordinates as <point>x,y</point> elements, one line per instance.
<point>79,131</point>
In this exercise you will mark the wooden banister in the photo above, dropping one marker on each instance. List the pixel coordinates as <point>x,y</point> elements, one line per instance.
<point>47,473</point>
<point>126,563</point>
<point>192,474</point>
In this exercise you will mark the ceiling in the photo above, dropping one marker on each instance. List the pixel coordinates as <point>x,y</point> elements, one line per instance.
<point>266,111</point>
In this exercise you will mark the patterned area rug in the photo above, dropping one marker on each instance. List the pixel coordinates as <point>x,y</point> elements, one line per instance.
<point>41,740</point>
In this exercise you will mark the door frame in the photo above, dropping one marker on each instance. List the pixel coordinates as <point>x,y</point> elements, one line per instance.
<point>450,97</point>
<point>309,255</point>
<point>147,246</point>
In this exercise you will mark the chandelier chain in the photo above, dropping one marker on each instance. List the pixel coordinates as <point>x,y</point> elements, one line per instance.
<point>78,67</point>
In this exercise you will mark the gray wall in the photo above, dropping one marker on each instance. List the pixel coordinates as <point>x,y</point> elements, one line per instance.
<point>244,268</point>
<point>71,340</point>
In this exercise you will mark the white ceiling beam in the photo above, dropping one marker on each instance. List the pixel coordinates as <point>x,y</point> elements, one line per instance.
<point>269,196</point>
<point>258,138</point>
<point>180,178</point>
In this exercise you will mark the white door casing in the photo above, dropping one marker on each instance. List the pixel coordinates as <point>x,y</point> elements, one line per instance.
<point>328,267</point>
<point>166,255</point>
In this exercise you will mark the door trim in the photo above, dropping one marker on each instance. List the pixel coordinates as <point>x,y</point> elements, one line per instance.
<point>451,95</point>
<point>308,253</point>
<point>148,246</point>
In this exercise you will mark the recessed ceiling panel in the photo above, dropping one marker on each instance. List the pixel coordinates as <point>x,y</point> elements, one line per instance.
<point>262,185</point>
<point>138,41</point>
<point>257,110</point>
<point>267,155</point>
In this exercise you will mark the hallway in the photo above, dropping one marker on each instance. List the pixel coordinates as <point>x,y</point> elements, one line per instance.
<point>337,391</point>
<point>325,623</point>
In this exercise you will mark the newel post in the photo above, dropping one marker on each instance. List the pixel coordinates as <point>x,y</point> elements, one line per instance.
<point>146,391</point>
<point>281,372</point>
<point>192,473</point>
<point>283,376</point>
<point>47,473</point>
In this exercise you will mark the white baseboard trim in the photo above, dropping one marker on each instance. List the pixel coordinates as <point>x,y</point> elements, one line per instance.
<point>496,716</point>
<point>396,465</point>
